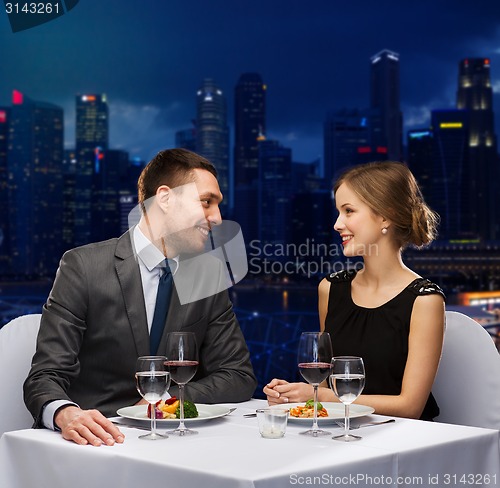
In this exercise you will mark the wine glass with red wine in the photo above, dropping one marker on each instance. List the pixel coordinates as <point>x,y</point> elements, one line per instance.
<point>182,361</point>
<point>314,360</point>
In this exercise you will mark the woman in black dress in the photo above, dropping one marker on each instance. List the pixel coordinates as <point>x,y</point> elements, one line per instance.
<point>385,313</point>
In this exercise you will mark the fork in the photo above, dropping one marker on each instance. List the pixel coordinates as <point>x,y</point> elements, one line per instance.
<point>340,423</point>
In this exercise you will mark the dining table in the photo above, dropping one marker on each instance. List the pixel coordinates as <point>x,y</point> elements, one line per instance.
<point>229,452</point>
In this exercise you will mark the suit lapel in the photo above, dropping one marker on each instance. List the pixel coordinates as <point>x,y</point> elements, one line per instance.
<point>129,276</point>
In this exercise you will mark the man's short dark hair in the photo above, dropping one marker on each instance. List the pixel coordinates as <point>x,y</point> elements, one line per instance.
<point>171,167</point>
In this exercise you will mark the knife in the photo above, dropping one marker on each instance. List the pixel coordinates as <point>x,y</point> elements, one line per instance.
<point>131,426</point>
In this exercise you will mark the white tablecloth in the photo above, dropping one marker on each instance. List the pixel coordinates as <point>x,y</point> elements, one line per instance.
<point>229,452</point>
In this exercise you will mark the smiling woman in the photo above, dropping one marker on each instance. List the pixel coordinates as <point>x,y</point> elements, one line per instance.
<point>384,313</point>
<point>389,191</point>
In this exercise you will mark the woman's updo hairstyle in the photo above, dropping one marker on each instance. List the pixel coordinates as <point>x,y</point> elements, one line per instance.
<point>390,190</point>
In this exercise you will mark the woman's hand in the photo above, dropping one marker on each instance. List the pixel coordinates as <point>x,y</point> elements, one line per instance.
<point>280,391</point>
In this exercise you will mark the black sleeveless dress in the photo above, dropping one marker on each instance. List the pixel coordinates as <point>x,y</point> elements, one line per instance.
<point>378,335</point>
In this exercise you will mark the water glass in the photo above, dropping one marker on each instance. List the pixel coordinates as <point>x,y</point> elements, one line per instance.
<point>272,422</point>
<point>347,382</point>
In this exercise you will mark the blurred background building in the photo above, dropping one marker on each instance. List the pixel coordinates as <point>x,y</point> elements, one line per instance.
<point>212,133</point>
<point>92,138</point>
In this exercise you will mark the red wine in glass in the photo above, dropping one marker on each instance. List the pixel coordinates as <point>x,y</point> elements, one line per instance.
<point>182,371</point>
<point>314,357</point>
<point>182,362</point>
<point>313,373</point>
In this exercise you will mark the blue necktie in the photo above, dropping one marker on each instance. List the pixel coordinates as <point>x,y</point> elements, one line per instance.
<point>161,308</point>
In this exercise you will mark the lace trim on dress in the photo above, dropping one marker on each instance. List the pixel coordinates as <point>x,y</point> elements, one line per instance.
<point>423,286</point>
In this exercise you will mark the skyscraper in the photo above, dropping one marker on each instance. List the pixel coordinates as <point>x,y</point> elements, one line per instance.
<point>108,180</point>
<point>451,194</point>
<point>420,154</point>
<point>212,132</point>
<point>387,124</point>
<point>475,94</point>
<point>312,221</point>
<point>92,125</point>
<point>274,195</point>
<point>249,126</point>
<point>4,216</point>
<point>345,132</point>
<point>35,157</point>
<point>69,185</point>
<point>250,129</point>
<point>91,132</point>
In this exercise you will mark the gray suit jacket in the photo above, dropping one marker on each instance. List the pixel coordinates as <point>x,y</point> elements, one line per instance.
<point>94,327</point>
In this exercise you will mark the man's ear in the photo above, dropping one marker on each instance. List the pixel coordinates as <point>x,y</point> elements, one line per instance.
<point>163,197</point>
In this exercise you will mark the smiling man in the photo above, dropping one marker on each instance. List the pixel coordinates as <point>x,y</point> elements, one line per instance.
<point>99,315</point>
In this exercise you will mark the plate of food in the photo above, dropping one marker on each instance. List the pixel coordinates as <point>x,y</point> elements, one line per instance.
<point>168,412</point>
<point>302,413</point>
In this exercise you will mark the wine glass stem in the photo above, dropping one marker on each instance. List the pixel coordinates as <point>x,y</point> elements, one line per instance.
<point>181,400</point>
<point>153,419</point>
<point>315,415</point>
<point>347,419</point>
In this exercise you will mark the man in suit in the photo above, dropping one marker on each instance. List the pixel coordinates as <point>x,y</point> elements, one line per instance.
<point>99,313</point>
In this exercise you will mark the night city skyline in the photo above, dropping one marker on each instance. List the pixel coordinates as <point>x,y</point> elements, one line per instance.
<point>312,58</point>
<point>384,110</point>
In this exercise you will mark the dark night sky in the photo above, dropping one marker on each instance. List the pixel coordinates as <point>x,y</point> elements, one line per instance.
<point>150,56</point>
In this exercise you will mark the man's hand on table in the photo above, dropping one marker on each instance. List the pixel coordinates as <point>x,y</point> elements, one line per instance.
<point>87,427</point>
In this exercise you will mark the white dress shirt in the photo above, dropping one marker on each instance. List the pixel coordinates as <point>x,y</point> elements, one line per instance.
<point>150,260</point>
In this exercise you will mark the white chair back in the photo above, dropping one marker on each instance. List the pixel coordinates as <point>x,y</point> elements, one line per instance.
<point>17,346</point>
<point>467,384</point>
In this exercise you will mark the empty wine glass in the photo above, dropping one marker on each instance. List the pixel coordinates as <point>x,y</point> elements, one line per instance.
<point>314,356</point>
<point>152,381</point>
<point>347,382</point>
<point>182,354</point>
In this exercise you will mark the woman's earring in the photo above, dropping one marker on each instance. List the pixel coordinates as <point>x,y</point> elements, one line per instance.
<point>384,231</point>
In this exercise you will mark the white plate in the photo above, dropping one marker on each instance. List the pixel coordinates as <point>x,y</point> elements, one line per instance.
<point>205,412</point>
<point>335,412</point>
